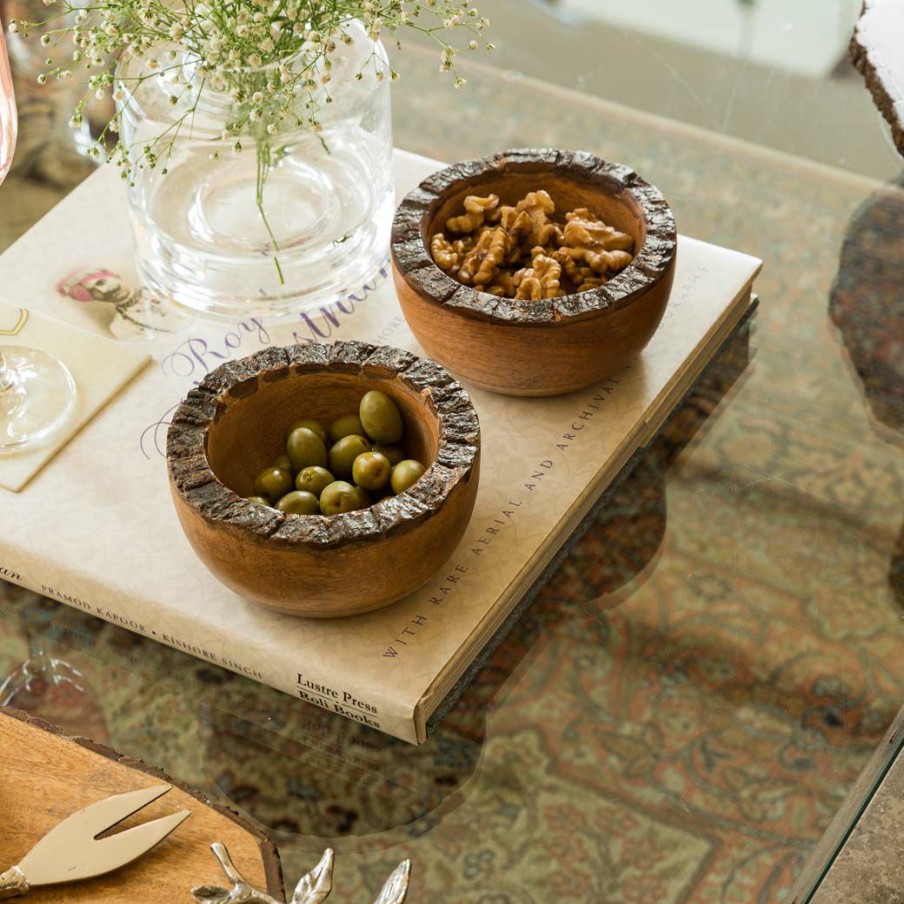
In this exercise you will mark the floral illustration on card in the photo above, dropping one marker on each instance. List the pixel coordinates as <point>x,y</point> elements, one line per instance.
<point>127,312</point>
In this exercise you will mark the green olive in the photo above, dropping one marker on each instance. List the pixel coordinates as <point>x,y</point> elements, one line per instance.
<point>305,448</point>
<point>371,470</point>
<point>393,453</point>
<point>347,425</point>
<point>380,417</point>
<point>299,502</point>
<point>313,479</point>
<point>362,498</point>
<point>344,453</point>
<point>283,462</point>
<point>273,483</point>
<point>314,427</point>
<point>405,473</point>
<point>340,497</point>
<point>258,500</point>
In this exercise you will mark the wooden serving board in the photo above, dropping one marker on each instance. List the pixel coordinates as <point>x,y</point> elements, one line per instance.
<point>45,776</point>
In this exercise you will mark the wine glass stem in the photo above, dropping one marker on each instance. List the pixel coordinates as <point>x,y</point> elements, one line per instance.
<point>7,377</point>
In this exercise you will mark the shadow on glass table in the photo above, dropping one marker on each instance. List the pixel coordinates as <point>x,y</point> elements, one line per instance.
<point>867,307</point>
<point>301,773</point>
<point>856,858</point>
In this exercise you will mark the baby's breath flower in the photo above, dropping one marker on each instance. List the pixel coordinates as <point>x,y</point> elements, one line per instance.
<point>270,61</point>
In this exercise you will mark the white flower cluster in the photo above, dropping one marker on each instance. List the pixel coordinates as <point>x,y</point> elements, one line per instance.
<point>272,58</point>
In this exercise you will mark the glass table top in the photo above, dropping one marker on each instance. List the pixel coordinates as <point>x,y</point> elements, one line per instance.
<point>682,710</point>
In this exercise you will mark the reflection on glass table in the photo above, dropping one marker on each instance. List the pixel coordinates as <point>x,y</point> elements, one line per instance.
<point>47,686</point>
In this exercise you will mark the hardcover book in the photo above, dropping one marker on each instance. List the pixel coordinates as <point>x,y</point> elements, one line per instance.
<point>96,528</point>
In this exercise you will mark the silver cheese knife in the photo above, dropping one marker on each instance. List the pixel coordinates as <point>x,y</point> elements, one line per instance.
<point>71,851</point>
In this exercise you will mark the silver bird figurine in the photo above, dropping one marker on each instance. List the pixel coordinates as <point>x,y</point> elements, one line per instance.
<point>312,888</point>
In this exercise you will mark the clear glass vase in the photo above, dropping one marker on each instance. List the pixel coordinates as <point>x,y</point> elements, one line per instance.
<point>287,222</point>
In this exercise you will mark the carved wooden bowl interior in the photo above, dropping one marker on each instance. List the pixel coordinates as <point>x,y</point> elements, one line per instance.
<point>235,424</point>
<point>551,346</point>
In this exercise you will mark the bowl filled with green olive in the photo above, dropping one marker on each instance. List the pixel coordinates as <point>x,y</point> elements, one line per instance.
<point>325,480</point>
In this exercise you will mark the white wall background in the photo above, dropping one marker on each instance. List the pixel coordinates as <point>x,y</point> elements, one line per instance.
<point>804,36</point>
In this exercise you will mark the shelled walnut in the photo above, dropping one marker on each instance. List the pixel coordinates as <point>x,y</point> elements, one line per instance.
<point>521,252</point>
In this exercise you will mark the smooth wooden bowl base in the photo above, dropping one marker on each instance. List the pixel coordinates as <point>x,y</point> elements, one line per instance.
<point>539,361</point>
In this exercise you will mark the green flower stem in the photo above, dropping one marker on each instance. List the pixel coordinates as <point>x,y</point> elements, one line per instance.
<point>263,170</point>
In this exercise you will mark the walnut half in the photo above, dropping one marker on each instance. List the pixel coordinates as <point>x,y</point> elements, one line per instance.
<point>519,251</point>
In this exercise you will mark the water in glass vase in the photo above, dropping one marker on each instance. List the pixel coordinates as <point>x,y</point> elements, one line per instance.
<point>272,229</point>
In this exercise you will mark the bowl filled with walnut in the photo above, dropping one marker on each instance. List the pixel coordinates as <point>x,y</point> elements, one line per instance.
<point>534,272</point>
<point>284,494</point>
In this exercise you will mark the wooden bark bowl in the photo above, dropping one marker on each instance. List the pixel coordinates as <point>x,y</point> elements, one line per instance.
<point>234,424</point>
<point>536,348</point>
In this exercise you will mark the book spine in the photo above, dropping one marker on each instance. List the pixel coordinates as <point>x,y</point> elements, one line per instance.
<point>142,617</point>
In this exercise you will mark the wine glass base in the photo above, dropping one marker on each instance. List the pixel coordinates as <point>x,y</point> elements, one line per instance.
<point>56,692</point>
<point>38,402</point>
